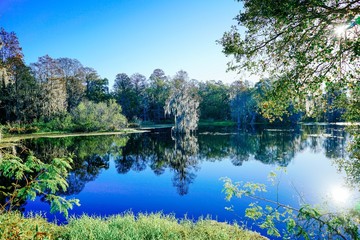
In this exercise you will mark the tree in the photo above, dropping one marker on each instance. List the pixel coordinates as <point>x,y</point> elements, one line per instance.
<point>296,43</point>
<point>72,71</point>
<point>97,89</point>
<point>23,100</point>
<point>215,103</point>
<point>16,83</point>
<point>125,95</point>
<point>9,47</point>
<point>183,103</point>
<point>243,107</point>
<point>53,95</point>
<point>139,82</point>
<point>158,91</point>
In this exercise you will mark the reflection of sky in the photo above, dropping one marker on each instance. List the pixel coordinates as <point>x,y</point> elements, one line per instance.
<point>310,174</point>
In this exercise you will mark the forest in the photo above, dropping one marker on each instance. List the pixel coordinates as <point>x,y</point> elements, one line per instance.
<point>63,94</point>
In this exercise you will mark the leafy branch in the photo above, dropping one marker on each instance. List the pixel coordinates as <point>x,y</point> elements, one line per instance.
<point>30,178</point>
<point>307,221</point>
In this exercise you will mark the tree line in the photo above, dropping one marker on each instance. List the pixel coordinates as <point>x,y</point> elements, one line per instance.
<point>62,92</point>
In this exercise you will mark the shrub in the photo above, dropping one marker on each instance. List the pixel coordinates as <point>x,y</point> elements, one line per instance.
<point>89,116</point>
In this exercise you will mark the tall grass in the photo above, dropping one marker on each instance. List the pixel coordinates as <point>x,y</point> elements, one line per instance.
<point>127,227</point>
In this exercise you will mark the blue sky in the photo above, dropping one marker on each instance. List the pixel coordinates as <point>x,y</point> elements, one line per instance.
<point>115,36</point>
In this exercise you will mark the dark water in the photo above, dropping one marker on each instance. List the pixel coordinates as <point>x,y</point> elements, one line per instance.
<point>154,172</point>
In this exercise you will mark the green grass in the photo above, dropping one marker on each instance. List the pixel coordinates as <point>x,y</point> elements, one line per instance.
<point>14,138</point>
<point>217,123</point>
<point>127,226</point>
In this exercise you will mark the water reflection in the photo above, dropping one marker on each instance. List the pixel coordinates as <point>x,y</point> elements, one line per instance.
<point>182,155</point>
<point>178,153</point>
<point>90,155</point>
<point>184,161</point>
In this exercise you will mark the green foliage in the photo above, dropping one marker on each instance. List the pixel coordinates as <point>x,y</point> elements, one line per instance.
<point>215,102</point>
<point>89,116</point>
<point>60,122</point>
<point>158,92</point>
<point>306,221</point>
<point>30,178</point>
<point>296,43</point>
<point>130,93</point>
<point>97,90</point>
<point>127,226</point>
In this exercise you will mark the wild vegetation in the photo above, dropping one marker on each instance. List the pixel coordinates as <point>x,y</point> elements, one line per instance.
<point>127,226</point>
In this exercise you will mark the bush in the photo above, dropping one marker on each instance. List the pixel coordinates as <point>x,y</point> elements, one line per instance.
<point>60,122</point>
<point>89,116</point>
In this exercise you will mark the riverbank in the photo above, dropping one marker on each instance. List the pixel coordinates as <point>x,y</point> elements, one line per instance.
<point>127,226</point>
<point>16,137</point>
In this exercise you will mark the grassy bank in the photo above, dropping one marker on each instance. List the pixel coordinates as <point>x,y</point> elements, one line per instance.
<point>14,138</point>
<point>217,123</point>
<point>128,226</point>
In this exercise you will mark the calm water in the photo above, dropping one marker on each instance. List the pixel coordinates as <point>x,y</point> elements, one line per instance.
<point>153,172</point>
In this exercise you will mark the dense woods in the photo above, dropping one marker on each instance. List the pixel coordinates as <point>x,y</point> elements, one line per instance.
<point>56,92</point>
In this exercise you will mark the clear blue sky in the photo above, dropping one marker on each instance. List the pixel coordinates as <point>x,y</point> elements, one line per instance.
<point>115,36</point>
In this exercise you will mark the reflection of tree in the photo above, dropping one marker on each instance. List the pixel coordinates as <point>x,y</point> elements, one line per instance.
<point>90,155</point>
<point>351,164</point>
<point>141,150</point>
<point>159,153</point>
<point>243,145</point>
<point>182,154</point>
<point>183,160</point>
<point>270,146</point>
<point>277,147</point>
<point>335,142</point>
<point>212,146</point>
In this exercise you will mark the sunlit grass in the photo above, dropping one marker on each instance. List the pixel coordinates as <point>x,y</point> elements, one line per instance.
<point>15,138</point>
<point>127,226</point>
